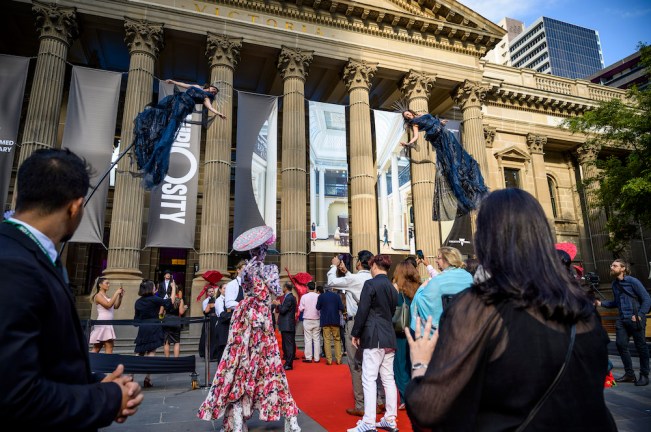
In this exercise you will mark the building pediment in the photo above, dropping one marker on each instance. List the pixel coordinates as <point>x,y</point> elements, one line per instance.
<point>513,153</point>
<point>446,24</point>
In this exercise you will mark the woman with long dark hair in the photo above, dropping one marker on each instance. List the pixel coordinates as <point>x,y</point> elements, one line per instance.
<point>524,330</point>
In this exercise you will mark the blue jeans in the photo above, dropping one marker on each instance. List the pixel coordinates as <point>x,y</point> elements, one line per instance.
<point>624,329</point>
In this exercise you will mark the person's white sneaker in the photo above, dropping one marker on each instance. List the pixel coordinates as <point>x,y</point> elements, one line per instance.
<point>362,427</point>
<point>391,426</point>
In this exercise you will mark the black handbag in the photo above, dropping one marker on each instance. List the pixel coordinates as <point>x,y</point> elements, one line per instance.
<point>401,317</point>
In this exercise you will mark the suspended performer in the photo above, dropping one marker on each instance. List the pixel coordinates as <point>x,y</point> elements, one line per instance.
<point>156,127</point>
<point>459,185</point>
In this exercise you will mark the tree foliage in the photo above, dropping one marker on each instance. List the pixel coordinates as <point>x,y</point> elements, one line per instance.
<point>624,181</point>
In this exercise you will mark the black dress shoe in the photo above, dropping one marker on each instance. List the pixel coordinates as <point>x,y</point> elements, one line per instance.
<point>306,361</point>
<point>642,380</point>
<point>626,378</point>
<point>287,367</point>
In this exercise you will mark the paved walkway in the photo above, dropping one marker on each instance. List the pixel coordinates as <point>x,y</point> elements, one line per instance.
<point>171,405</point>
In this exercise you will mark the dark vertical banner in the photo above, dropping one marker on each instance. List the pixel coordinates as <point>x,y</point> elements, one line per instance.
<point>90,133</point>
<point>256,162</point>
<point>173,205</point>
<point>13,75</point>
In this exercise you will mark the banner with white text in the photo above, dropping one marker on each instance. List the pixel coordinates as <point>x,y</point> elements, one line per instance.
<point>173,205</point>
<point>13,74</point>
<point>90,133</point>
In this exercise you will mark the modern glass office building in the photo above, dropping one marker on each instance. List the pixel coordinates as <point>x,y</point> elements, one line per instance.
<point>558,48</point>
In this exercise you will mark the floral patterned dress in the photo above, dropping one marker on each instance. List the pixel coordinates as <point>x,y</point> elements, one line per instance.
<point>251,371</point>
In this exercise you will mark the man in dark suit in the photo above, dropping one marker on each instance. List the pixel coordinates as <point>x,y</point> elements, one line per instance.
<point>47,382</point>
<point>374,334</point>
<point>165,286</point>
<point>287,324</point>
<point>330,308</point>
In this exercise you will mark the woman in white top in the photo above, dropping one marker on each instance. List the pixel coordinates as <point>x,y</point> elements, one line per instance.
<point>104,335</point>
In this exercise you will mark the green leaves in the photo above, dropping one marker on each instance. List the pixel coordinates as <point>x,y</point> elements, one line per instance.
<point>624,178</point>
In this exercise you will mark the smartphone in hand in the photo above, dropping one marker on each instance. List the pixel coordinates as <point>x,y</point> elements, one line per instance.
<point>419,254</point>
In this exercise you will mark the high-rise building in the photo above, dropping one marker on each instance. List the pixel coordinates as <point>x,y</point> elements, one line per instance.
<point>557,48</point>
<point>500,54</point>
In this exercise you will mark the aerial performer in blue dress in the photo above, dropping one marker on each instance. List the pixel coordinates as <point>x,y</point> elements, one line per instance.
<point>156,127</point>
<point>459,185</point>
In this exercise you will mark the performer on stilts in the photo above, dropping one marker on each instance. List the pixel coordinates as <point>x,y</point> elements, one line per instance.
<point>250,375</point>
<point>459,185</point>
<point>156,127</point>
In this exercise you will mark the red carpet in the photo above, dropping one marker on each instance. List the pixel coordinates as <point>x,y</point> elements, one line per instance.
<point>324,392</point>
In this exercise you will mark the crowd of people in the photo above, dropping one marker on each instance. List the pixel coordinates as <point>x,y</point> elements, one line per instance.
<point>506,340</point>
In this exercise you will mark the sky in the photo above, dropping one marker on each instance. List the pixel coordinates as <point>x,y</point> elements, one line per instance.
<point>621,24</point>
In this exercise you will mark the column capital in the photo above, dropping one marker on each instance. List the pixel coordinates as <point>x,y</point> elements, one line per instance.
<point>294,62</point>
<point>470,94</point>
<point>489,136</point>
<point>223,50</point>
<point>55,21</point>
<point>143,36</point>
<point>359,73</point>
<point>416,85</point>
<point>536,143</point>
<point>587,153</point>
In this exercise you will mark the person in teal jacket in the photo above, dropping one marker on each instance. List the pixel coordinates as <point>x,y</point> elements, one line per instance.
<point>452,280</point>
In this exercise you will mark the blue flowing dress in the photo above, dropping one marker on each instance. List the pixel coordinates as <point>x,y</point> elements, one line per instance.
<point>459,183</point>
<point>156,128</point>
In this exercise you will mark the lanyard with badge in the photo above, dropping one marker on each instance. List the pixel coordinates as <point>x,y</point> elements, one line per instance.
<point>31,235</point>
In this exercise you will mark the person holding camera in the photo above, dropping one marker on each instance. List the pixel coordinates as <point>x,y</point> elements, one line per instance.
<point>633,302</point>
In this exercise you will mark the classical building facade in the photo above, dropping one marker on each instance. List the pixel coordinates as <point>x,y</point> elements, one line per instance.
<point>366,55</point>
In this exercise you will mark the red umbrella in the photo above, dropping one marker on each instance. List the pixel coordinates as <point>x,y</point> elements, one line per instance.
<point>212,277</point>
<point>570,248</point>
<point>300,281</point>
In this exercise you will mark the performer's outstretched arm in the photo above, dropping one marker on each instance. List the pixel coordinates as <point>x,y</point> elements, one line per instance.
<point>208,104</point>
<point>414,129</point>
<point>182,85</point>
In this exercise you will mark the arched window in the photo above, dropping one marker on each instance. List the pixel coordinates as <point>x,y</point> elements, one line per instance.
<point>551,183</point>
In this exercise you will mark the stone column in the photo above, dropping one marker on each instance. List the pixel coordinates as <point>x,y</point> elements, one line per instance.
<point>223,53</point>
<point>585,252</point>
<point>357,75</point>
<point>416,87</point>
<point>144,40</point>
<point>384,202</point>
<point>58,28</point>
<point>293,65</point>
<point>398,232</point>
<point>595,215</point>
<point>469,96</point>
<point>312,196</point>
<point>322,227</point>
<point>536,144</point>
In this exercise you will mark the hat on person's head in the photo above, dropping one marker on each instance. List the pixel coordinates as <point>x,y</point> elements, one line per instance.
<point>169,272</point>
<point>364,256</point>
<point>253,238</point>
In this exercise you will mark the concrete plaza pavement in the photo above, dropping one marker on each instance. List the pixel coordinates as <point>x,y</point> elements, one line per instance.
<point>171,405</point>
